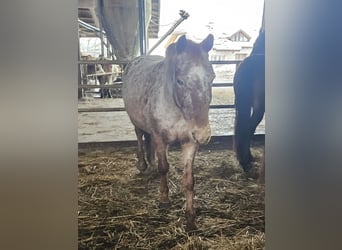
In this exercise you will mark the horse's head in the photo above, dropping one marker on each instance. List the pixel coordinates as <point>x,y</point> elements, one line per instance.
<point>192,76</point>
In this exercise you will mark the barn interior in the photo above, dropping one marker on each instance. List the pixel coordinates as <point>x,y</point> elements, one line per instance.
<point>117,204</point>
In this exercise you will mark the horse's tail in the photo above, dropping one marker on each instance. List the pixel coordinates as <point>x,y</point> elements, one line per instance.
<point>242,134</point>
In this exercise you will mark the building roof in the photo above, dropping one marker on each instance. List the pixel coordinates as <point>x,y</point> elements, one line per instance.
<point>242,32</point>
<point>226,43</point>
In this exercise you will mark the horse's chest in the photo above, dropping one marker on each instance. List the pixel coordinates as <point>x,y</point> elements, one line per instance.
<point>172,126</point>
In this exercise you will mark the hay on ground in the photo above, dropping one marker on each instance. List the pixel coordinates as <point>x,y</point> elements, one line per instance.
<point>118,206</point>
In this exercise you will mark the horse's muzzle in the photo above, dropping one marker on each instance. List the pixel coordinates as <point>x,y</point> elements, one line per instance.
<point>202,135</point>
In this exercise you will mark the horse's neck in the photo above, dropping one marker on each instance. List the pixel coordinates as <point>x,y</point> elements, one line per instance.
<point>169,71</point>
<point>167,79</point>
<point>258,50</point>
<point>259,46</point>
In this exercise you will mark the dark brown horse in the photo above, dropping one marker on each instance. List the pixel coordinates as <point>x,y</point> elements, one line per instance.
<point>167,100</point>
<point>249,89</point>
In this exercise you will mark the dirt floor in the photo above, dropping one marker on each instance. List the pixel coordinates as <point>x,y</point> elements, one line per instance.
<point>118,206</point>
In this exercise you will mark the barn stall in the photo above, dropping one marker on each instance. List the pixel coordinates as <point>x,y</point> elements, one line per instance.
<point>118,205</point>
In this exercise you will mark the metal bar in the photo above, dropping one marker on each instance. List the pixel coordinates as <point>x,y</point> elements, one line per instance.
<point>230,84</point>
<point>88,110</point>
<point>142,27</point>
<point>119,85</point>
<point>102,62</point>
<point>226,62</point>
<point>227,106</point>
<point>89,27</point>
<point>101,38</point>
<point>101,74</point>
<point>184,15</point>
<point>105,86</point>
<point>125,62</point>
<point>216,141</point>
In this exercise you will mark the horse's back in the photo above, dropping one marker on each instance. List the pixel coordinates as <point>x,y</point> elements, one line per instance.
<point>252,66</point>
<point>141,66</point>
<point>140,79</point>
<point>251,71</point>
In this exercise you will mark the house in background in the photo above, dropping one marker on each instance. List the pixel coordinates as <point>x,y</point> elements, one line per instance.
<point>234,47</point>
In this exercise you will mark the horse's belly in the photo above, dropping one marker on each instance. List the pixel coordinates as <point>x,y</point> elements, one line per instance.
<point>134,108</point>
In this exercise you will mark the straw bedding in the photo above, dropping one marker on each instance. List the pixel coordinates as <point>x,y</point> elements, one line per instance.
<point>118,206</point>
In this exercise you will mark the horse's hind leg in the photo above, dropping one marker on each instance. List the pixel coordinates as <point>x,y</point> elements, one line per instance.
<point>150,152</point>
<point>256,119</point>
<point>241,132</point>
<point>257,115</point>
<point>242,141</point>
<point>141,152</point>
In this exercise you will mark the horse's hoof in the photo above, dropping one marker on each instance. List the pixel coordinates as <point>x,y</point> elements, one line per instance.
<point>246,167</point>
<point>190,227</point>
<point>164,205</point>
<point>141,166</point>
<point>190,222</point>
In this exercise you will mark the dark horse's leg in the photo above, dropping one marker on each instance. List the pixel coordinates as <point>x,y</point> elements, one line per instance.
<point>189,150</point>
<point>258,104</point>
<point>141,152</point>
<point>242,137</point>
<point>256,118</point>
<point>102,91</point>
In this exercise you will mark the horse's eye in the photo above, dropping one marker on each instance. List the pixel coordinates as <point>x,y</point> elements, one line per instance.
<point>180,82</point>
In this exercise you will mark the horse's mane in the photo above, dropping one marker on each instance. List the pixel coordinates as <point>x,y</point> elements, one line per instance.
<point>169,61</point>
<point>170,51</point>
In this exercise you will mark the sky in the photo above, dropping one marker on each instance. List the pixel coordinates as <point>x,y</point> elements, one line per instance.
<point>227,15</point>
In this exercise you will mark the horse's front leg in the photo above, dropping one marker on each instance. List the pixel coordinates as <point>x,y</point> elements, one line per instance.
<point>189,150</point>
<point>163,167</point>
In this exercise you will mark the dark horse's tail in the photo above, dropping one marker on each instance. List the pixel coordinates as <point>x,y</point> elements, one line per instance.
<point>243,105</point>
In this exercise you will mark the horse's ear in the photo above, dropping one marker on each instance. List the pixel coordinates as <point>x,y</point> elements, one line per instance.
<point>208,43</point>
<point>181,44</point>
